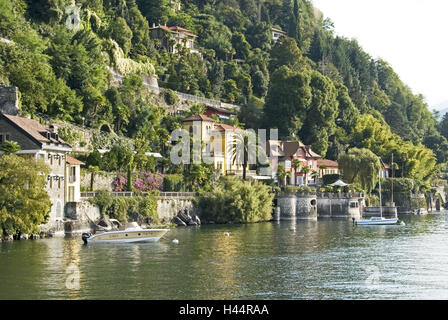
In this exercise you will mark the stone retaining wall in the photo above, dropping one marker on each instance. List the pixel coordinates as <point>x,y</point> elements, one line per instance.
<point>340,207</point>
<point>297,207</point>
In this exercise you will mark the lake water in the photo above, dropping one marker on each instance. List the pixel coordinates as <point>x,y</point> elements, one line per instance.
<point>325,259</point>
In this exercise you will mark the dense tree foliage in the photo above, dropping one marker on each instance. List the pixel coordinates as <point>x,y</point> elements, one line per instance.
<point>311,85</point>
<point>24,202</point>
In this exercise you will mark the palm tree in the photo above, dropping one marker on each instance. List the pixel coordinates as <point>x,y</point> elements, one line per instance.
<point>10,147</point>
<point>322,167</point>
<point>314,175</point>
<point>93,171</point>
<point>296,164</point>
<point>282,174</point>
<point>305,170</point>
<point>242,147</point>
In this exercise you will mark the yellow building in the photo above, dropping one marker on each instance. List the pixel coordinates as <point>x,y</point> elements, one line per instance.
<point>217,141</point>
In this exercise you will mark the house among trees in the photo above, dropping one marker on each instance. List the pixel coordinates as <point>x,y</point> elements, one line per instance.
<point>277,34</point>
<point>171,38</point>
<point>326,166</point>
<point>39,142</point>
<point>384,169</point>
<point>296,158</point>
<point>217,140</point>
<point>223,114</point>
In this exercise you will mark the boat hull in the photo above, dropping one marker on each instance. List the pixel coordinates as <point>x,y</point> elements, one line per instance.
<point>379,222</point>
<point>144,235</point>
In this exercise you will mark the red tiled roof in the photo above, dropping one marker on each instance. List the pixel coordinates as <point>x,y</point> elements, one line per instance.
<point>33,128</point>
<point>72,160</point>
<point>328,163</point>
<point>220,110</point>
<point>199,117</point>
<point>225,127</point>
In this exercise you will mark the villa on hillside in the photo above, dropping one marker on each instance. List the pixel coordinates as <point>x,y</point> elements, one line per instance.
<point>223,114</point>
<point>39,142</point>
<point>384,169</point>
<point>277,34</point>
<point>285,152</point>
<point>217,139</point>
<point>171,38</point>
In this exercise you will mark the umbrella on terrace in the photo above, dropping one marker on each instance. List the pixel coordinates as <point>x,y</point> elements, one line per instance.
<point>339,183</point>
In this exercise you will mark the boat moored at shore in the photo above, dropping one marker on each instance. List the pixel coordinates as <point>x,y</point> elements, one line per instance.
<point>132,233</point>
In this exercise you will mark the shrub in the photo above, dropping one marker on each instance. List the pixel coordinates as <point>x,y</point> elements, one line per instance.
<point>372,201</point>
<point>70,136</point>
<point>299,189</point>
<point>330,178</point>
<point>173,183</point>
<point>120,207</point>
<point>170,96</point>
<point>238,201</point>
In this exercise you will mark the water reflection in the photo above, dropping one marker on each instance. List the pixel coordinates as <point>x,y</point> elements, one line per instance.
<point>323,259</point>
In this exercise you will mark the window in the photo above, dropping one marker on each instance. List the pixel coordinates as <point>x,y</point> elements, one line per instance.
<point>354,205</point>
<point>71,194</point>
<point>72,174</point>
<point>4,137</point>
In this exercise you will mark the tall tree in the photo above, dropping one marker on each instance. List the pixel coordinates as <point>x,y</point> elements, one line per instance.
<point>360,166</point>
<point>24,202</point>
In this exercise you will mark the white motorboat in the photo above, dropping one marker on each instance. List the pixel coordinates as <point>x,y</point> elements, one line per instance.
<point>132,233</point>
<point>377,221</point>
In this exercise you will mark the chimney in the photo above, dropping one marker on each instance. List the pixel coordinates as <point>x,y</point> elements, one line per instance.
<point>53,128</point>
<point>9,100</point>
<point>54,131</point>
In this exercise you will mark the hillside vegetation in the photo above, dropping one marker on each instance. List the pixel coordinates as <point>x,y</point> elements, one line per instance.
<point>313,85</point>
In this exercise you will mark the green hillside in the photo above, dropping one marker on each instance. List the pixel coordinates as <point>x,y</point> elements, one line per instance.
<point>325,90</point>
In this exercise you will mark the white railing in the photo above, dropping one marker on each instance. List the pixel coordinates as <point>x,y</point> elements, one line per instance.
<point>132,194</point>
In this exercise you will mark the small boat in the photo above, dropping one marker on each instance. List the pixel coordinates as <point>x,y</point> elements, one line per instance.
<point>421,211</point>
<point>132,233</point>
<point>378,221</point>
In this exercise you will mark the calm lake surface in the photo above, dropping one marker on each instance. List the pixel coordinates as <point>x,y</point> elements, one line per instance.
<point>325,259</point>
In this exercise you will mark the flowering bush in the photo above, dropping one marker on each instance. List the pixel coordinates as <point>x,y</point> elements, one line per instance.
<point>148,181</point>
<point>144,182</point>
<point>120,183</point>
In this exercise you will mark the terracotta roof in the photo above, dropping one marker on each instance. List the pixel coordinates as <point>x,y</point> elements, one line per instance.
<point>220,110</point>
<point>328,163</point>
<point>34,129</point>
<point>225,127</point>
<point>72,160</point>
<point>199,117</point>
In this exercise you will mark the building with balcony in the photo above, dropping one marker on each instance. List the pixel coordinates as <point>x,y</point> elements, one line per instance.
<point>217,141</point>
<point>285,153</point>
